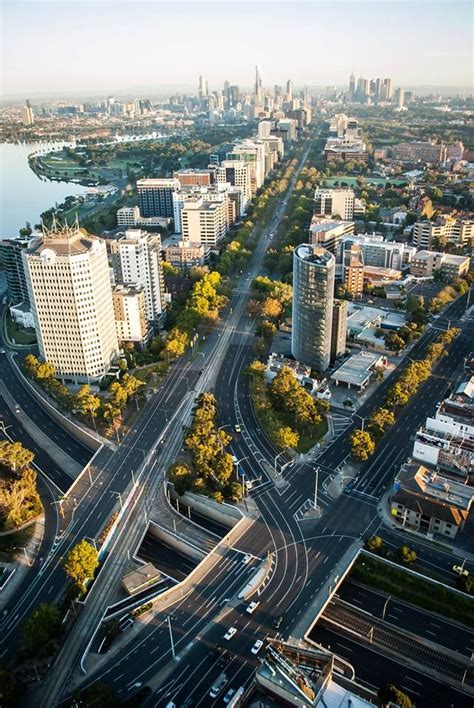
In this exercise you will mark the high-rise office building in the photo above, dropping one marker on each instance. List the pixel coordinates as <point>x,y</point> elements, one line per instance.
<point>328,233</point>
<point>313,296</point>
<point>388,89</point>
<point>203,89</point>
<point>130,314</point>
<point>289,90</point>
<point>136,259</point>
<point>11,250</point>
<point>352,85</point>
<point>338,329</point>
<point>353,268</point>
<point>155,196</point>
<point>67,274</point>
<point>258,90</point>
<point>234,93</point>
<point>236,173</point>
<point>203,221</point>
<point>27,115</point>
<point>337,202</point>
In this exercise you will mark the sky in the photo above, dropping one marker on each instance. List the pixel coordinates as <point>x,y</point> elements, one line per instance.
<point>80,46</point>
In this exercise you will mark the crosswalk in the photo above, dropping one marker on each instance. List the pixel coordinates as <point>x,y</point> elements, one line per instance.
<point>340,423</point>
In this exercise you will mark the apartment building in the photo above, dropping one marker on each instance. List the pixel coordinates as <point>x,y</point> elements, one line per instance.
<point>130,314</point>
<point>328,233</point>
<point>190,177</point>
<point>335,202</point>
<point>427,234</point>
<point>204,222</point>
<point>11,250</point>
<point>238,174</point>
<point>136,260</point>
<point>252,152</point>
<point>353,268</point>
<point>67,275</point>
<point>184,254</point>
<point>425,263</point>
<point>419,151</point>
<point>376,251</point>
<point>155,196</point>
<point>338,329</point>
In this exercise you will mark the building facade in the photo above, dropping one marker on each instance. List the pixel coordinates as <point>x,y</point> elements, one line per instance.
<point>338,329</point>
<point>67,274</point>
<point>313,295</point>
<point>155,196</point>
<point>337,202</point>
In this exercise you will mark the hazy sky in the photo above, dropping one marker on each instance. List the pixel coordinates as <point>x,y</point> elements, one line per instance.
<point>105,45</point>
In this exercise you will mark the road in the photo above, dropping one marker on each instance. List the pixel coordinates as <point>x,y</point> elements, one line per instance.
<point>374,669</point>
<point>425,624</point>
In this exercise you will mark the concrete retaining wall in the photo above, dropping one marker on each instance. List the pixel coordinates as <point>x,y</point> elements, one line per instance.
<point>176,542</point>
<point>221,513</point>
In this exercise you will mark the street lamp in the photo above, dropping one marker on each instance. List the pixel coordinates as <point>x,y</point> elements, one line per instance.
<point>276,458</point>
<point>171,638</point>
<point>22,548</point>
<point>316,471</point>
<point>237,463</point>
<point>120,498</point>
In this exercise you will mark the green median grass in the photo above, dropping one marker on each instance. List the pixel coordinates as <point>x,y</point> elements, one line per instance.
<point>410,588</point>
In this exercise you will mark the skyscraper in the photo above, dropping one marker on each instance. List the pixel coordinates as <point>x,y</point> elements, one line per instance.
<point>313,296</point>
<point>11,250</point>
<point>289,90</point>
<point>67,275</point>
<point>258,87</point>
<point>352,87</point>
<point>27,115</point>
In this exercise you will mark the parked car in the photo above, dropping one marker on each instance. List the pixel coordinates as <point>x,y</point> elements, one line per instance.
<point>237,428</point>
<point>252,607</point>
<point>277,622</point>
<point>229,695</point>
<point>247,558</point>
<point>460,570</point>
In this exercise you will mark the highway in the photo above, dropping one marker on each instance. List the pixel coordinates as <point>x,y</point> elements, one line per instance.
<point>375,669</point>
<point>425,624</point>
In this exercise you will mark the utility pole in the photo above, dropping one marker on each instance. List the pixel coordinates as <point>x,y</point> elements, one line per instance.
<point>171,639</point>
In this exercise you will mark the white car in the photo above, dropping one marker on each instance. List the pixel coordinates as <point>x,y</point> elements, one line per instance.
<point>222,680</point>
<point>230,633</point>
<point>257,646</point>
<point>252,607</point>
<point>237,429</point>
<point>247,558</point>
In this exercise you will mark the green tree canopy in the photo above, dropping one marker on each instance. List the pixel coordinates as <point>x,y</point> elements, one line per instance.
<point>81,563</point>
<point>362,445</point>
<point>40,628</point>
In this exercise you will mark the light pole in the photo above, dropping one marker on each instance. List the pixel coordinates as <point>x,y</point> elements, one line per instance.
<point>385,606</point>
<point>356,415</point>
<point>316,471</point>
<point>120,498</point>
<point>237,463</point>
<point>22,548</point>
<point>94,542</point>
<point>171,638</point>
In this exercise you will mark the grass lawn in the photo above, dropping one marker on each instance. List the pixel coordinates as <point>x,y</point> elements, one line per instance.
<point>398,583</point>
<point>270,419</point>
<point>18,335</point>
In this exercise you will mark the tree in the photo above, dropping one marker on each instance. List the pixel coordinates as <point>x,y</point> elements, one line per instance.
<point>375,544</point>
<point>380,420</point>
<point>81,563</point>
<point>285,437</point>
<point>271,308</point>
<point>19,498</point>
<point>9,688</point>
<point>42,626</point>
<point>362,445</point>
<point>98,695</point>
<point>466,583</point>
<point>391,694</point>
<point>86,403</point>
<point>397,396</point>
<point>15,456</point>
<point>394,342</point>
<point>256,368</point>
<point>406,554</point>
<point>180,476</point>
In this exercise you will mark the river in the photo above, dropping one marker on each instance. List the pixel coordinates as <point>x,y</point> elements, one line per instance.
<point>24,195</point>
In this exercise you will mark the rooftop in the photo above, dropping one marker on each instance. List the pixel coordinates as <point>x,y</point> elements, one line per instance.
<point>357,369</point>
<point>314,254</point>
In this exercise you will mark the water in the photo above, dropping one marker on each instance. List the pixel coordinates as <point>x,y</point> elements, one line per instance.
<point>23,195</point>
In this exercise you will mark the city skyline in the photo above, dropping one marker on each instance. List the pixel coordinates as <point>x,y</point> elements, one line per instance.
<point>411,51</point>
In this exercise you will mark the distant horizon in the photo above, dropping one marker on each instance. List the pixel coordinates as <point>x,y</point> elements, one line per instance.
<point>162,91</point>
<point>82,47</point>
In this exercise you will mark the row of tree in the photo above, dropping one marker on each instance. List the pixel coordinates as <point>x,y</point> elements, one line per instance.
<point>83,402</point>
<point>211,469</point>
<point>363,442</point>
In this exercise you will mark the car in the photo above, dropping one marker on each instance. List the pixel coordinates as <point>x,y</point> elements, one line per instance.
<point>230,633</point>
<point>252,607</point>
<point>247,558</point>
<point>460,570</point>
<point>229,695</point>
<point>248,485</point>
<point>257,646</point>
<point>218,685</point>
<point>224,658</point>
<point>188,703</point>
<point>237,428</point>
<point>277,622</point>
